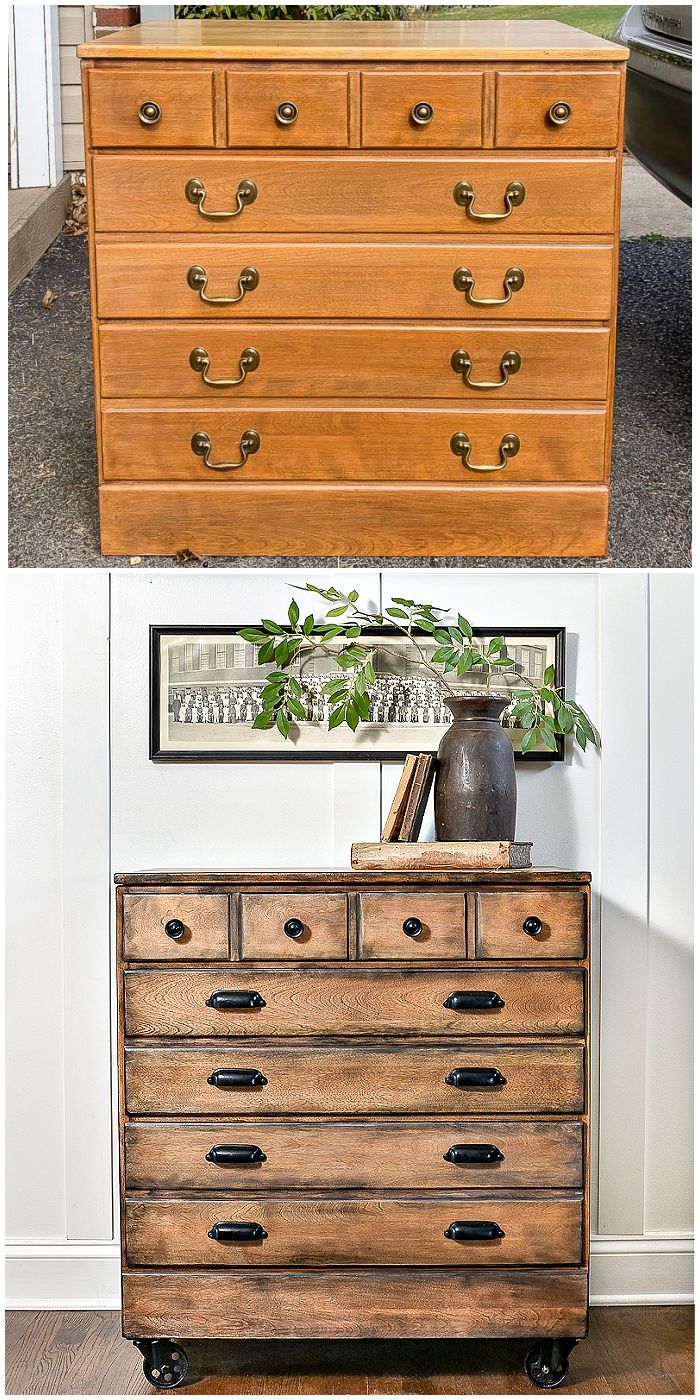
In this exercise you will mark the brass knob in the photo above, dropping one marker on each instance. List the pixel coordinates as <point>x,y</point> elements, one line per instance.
<point>422,113</point>
<point>286,113</point>
<point>149,113</point>
<point>559,113</point>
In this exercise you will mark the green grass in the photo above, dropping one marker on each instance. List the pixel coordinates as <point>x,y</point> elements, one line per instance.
<point>596,19</point>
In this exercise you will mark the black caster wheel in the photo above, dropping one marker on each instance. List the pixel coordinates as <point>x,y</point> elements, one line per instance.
<point>547,1364</point>
<point>164,1363</point>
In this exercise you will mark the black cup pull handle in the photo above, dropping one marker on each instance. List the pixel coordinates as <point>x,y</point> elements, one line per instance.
<point>466,1153</point>
<point>294,928</point>
<point>234,1001</point>
<point>473,1001</point>
<point>474,1230</point>
<point>475,1078</point>
<point>231,1153</point>
<point>533,926</point>
<point>412,927</point>
<point>175,928</point>
<point>237,1231</point>
<point>236,1078</point>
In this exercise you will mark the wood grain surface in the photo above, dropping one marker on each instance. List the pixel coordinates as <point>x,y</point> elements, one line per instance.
<point>321,99</point>
<point>320,1001</point>
<point>325,920</point>
<point>185,100</point>
<point>388,100</point>
<point>382,916</point>
<point>331,520</point>
<point>190,880</point>
<point>347,1077</point>
<point>151,359</point>
<point>353,1155</point>
<point>523,102</point>
<point>205,917</point>
<point>349,193</point>
<point>355,1230</point>
<point>629,1351</point>
<point>500,917</point>
<point>326,442</point>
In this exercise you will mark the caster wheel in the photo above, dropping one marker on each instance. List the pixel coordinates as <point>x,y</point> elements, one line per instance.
<point>164,1364</point>
<point>545,1372</point>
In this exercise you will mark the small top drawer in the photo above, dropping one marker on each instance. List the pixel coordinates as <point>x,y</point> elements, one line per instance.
<point>284,108</point>
<point>294,926</point>
<point>412,926</point>
<point>151,107</point>
<point>557,109</point>
<point>421,109</point>
<point>176,926</point>
<point>535,923</point>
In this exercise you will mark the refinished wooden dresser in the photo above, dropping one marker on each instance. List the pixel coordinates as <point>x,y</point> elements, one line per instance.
<point>354,1105</point>
<point>354,286</point>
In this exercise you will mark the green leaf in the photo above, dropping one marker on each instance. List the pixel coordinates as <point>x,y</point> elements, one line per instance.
<point>307,626</point>
<point>397,612</point>
<point>548,677</point>
<point>336,717</point>
<point>263,720</point>
<point>581,737</point>
<point>503,661</point>
<point>282,723</point>
<point>252,634</point>
<point>370,673</point>
<point>441,634</point>
<point>547,738</point>
<point>337,612</point>
<point>404,602</point>
<point>295,708</point>
<point>273,627</point>
<point>455,635</point>
<point>353,631</point>
<point>266,652</point>
<point>362,705</point>
<point>465,627</point>
<point>351,717</point>
<point>424,624</point>
<point>331,630</point>
<point>529,740</point>
<point>293,613</point>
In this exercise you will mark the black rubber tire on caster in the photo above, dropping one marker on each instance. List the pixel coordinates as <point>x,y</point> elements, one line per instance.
<point>543,1377</point>
<point>164,1364</point>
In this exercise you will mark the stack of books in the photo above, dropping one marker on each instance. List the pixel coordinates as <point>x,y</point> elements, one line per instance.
<point>410,799</point>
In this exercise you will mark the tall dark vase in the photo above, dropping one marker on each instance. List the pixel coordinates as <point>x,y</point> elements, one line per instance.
<point>475,787</point>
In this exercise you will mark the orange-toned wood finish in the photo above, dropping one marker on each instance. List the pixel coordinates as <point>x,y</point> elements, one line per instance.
<point>391,1095</point>
<point>355,168</point>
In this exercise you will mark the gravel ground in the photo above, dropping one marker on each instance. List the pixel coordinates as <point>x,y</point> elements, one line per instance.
<point>53,518</point>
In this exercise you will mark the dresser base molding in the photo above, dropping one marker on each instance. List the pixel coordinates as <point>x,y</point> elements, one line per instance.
<point>375,521</point>
<point>353,1303</point>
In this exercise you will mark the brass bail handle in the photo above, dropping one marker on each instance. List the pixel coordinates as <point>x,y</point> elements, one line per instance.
<point>247,193</point>
<point>465,194</point>
<point>461,362</point>
<point>198,278</point>
<point>460,444</point>
<point>200,362</point>
<point>249,445</point>
<point>513,280</point>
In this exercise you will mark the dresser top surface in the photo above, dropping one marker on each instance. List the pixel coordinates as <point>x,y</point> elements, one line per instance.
<point>355,878</point>
<point>347,40</point>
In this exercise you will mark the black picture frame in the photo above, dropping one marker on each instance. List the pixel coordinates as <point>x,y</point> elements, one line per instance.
<point>555,636</point>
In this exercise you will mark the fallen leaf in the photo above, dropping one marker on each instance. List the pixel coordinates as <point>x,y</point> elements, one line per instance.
<point>185,557</point>
<point>48,298</point>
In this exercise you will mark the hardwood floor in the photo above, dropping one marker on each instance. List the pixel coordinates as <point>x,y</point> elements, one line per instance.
<point>630,1351</point>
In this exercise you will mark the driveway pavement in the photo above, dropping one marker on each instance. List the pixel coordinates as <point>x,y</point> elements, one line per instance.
<point>53,519</point>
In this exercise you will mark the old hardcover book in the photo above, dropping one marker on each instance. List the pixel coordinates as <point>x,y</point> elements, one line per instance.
<point>417,799</point>
<point>441,855</point>
<point>392,824</point>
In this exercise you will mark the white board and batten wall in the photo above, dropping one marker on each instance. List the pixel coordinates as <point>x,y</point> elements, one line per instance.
<point>85,801</point>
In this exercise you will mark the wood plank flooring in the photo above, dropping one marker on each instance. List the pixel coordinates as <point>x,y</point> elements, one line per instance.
<point>630,1351</point>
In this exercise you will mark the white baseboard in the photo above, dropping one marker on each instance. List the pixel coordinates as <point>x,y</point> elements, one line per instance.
<point>653,1270</point>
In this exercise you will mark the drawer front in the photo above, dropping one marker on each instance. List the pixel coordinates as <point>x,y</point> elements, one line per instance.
<point>315,1231</point>
<point>312,1001</point>
<point>369,362</point>
<point>558,922</point>
<point>176,926</point>
<point>412,926</point>
<point>558,109</point>
<point>150,107</point>
<point>353,1078</point>
<point>560,283</point>
<point>287,108</point>
<point>354,194</point>
<point>294,926</point>
<point>318,443</point>
<point>353,1155</point>
<point>422,109</point>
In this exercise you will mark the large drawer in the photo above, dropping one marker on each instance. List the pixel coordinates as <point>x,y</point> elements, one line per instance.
<point>350,1078</point>
<point>316,1231</point>
<point>153,360</point>
<point>388,1155</point>
<point>176,926</point>
<point>322,442</point>
<point>359,194</point>
<point>533,923</point>
<point>373,279</point>
<point>319,1001</point>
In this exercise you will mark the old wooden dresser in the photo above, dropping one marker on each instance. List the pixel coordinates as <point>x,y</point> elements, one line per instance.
<point>354,286</point>
<point>354,1105</point>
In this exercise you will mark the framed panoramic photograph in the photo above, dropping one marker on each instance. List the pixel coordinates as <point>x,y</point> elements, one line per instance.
<point>205,685</point>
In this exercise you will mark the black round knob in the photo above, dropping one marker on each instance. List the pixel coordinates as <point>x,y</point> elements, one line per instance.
<point>294,928</point>
<point>422,113</point>
<point>412,927</point>
<point>174,928</point>
<point>533,926</point>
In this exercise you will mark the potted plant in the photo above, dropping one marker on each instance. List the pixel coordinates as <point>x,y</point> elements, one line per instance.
<point>475,787</point>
